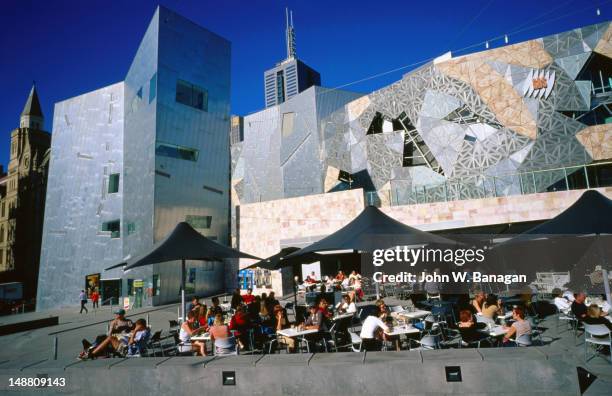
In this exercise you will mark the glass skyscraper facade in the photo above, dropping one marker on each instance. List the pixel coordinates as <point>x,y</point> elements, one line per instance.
<point>159,141</point>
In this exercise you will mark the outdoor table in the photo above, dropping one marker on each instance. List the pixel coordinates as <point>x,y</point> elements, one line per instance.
<point>225,306</point>
<point>397,331</point>
<point>402,329</point>
<point>343,316</point>
<point>494,332</point>
<point>201,337</point>
<point>294,332</point>
<point>414,314</point>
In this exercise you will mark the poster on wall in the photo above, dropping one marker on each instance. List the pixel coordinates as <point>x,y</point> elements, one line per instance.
<point>92,282</point>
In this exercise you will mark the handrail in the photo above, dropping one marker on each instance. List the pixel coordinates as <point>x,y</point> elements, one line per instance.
<point>487,185</point>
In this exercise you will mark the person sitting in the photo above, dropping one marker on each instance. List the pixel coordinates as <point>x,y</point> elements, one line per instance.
<point>248,298</point>
<point>241,324</point>
<point>315,320</point>
<point>382,309</point>
<point>264,314</point>
<point>280,322</point>
<point>371,333</point>
<point>218,329</point>
<point>492,307</point>
<point>569,295</point>
<point>236,299</point>
<point>215,308</point>
<point>339,277</point>
<point>271,302</point>
<point>194,305</point>
<point>117,336</point>
<point>189,329</point>
<point>324,309</point>
<point>343,306</point>
<point>562,304</point>
<point>579,308</point>
<point>254,308</point>
<point>519,327</point>
<point>201,316</point>
<point>310,279</point>
<point>139,337</point>
<point>479,301</point>
<point>468,327</point>
<point>596,316</point>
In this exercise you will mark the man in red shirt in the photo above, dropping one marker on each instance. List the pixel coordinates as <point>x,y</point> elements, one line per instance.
<point>95,298</point>
<point>248,298</point>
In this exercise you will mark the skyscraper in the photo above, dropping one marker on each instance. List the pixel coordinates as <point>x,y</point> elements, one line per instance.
<point>291,76</point>
<point>131,160</point>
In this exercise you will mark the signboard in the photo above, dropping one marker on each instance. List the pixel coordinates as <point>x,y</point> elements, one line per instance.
<point>126,303</point>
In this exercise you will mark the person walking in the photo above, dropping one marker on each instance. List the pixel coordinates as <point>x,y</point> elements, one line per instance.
<point>95,298</point>
<point>83,298</point>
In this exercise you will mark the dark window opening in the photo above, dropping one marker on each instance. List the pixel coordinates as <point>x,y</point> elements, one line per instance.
<point>191,95</point>
<point>113,227</point>
<point>199,222</point>
<point>280,87</point>
<point>597,70</point>
<point>377,124</point>
<point>113,183</point>
<point>178,152</point>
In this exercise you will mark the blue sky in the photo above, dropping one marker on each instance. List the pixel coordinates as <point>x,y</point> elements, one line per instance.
<point>70,47</point>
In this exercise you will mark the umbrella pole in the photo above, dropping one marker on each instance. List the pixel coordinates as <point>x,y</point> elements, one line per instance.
<point>183,289</point>
<point>604,271</point>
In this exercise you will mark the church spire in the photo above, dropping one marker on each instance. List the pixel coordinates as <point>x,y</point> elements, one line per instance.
<point>32,115</point>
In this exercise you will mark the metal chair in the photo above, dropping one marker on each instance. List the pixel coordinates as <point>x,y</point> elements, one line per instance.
<point>355,340</point>
<point>598,335</point>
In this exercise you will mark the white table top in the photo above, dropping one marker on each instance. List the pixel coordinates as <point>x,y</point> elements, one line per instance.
<point>496,331</point>
<point>294,332</point>
<point>201,337</point>
<point>343,316</point>
<point>413,315</point>
<point>505,316</point>
<point>404,329</point>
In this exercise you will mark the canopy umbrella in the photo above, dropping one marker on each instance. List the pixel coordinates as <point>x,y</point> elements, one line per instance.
<point>184,243</point>
<point>273,262</point>
<point>370,230</point>
<point>589,216</point>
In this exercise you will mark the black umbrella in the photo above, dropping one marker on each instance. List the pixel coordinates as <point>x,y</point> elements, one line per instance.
<point>273,262</point>
<point>371,230</point>
<point>184,243</point>
<point>589,217</point>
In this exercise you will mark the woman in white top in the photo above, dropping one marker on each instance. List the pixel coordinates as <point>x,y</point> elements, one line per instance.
<point>561,302</point>
<point>346,305</point>
<point>186,332</point>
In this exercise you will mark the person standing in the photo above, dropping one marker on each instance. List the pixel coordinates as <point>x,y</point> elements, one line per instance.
<point>83,298</point>
<point>95,298</point>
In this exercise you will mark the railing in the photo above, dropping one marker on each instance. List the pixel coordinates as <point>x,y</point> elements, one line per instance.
<point>487,186</point>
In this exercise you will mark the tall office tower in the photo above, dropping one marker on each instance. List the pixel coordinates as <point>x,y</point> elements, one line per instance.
<point>131,160</point>
<point>291,76</point>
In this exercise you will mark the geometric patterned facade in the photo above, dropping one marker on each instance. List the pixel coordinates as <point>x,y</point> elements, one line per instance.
<point>455,128</point>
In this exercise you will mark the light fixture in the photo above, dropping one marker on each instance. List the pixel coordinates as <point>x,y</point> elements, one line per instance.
<point>229,378</point>
<point>506,38</point>
<point>486,44</point>
<point>598,12</point>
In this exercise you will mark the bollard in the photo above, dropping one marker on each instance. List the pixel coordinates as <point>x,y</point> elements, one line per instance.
<point>178,312</point>
<point>55,341</point>
<point>149,320</point>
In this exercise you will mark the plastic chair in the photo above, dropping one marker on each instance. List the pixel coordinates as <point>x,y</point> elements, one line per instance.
<point>598,335</point>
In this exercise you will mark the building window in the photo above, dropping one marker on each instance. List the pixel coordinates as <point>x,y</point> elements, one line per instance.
<point>113,227</point>
<point>153,88</point>
<point>288,122</point>
<point>139,93</point>
<point>174,151</point>
<point>131,228</point>
<point>199,222</point>
<point>156,285</point>
<point>113,183</point>
<point>191,95</point>
<point>280,87</point>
